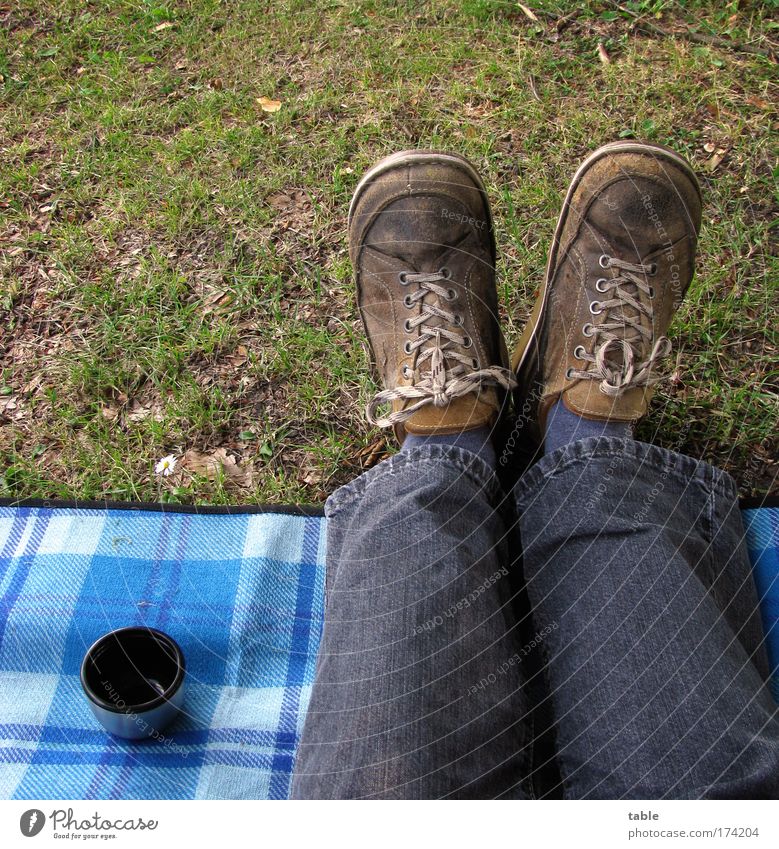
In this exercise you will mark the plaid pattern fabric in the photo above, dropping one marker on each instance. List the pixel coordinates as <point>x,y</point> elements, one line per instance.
<point>762,527</point>
<point>241,594</point>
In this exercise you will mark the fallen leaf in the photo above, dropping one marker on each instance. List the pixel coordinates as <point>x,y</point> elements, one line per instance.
<point>138,412</point>
<point>269,105</point>
<point>602,54</point>
<point>758,102</point>
<point>528,12</point>
<point>716,159</point>
<point>292,199</point>
<point>218,301</point>
<point>310,476</point>
<point>216,463</point>
<point>372,454</point>
<point>164,25</point>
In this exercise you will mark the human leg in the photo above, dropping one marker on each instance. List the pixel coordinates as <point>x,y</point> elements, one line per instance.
<point>634,555</point>
<point>637,570</point>
<point>418,689</point>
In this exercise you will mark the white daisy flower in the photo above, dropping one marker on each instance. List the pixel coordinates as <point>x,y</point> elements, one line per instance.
<point>166,465</point>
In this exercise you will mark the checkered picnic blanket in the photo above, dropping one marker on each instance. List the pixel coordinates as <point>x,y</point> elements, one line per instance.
<point>762,528</point>
<point>242,594</point>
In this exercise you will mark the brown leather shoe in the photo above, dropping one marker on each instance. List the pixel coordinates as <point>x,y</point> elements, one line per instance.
<point>621,260</point>
<point>423,251</point>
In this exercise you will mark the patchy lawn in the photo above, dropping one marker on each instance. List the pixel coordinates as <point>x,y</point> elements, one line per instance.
<point>173,268</point>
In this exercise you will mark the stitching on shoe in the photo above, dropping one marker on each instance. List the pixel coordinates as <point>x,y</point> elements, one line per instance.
<point>570,331</point>
<point>386,287</point>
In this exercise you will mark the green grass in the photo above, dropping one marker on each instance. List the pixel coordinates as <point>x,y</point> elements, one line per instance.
<point>173,265</point>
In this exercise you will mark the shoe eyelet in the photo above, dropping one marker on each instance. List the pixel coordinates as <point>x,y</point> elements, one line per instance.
<point>604,261</point>
<point>402,278</point>
<point>407,302</point>
<point>569,374</point>
<point>598,283</point>
<point>651,292</point>
<point>458,320</point>
<point>594,311</point>
<point>450,294</point>
<point>445,273</point>
<point>407,348</point>
<point>587,330</point>
<point>407,372</point>
<point>579,352</point>
<point>653,269</point>
<point>475,363</point>
<point>467,342</point>
<point>407,325</point>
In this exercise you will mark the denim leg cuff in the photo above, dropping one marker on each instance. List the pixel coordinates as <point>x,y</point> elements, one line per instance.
<point>460,461</point>
<point>644,456</point>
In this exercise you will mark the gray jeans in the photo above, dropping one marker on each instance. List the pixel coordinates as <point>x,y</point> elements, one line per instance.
<point>643,648</point>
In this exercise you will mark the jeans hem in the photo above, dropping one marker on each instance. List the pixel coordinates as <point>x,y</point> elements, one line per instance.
<point>481,474</point>
<point>661,460</point>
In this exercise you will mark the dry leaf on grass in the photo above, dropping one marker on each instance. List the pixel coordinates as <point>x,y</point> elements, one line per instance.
<point>719,154</point>
<point>269,105</point>
<point>138,412</point>
<point>294,207</point>
<point>216,463</point>
<point>218,301</point>
<point>716,159</point>
<point>602,54</point>
<point>164,25</point>
<point>110,414</point>
<point>291,200</point>
<point>7,403</point>
<point>372,454</point>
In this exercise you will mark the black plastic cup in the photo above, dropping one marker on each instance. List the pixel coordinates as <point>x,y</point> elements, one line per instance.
<point>133,679</point>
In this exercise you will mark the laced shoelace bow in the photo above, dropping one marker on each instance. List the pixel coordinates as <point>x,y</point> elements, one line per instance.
<point>622,332</point>
<point>451,374</point>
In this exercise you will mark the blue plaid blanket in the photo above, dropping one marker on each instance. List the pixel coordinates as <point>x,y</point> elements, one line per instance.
<point>242,594</point>
<point>762,528</point>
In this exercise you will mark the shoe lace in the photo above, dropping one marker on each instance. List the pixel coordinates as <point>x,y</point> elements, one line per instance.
<point>451,374</point>
<point>626,332</point>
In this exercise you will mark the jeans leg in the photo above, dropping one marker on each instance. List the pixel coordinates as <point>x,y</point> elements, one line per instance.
<point>418,683</point>
<point>638,574</point>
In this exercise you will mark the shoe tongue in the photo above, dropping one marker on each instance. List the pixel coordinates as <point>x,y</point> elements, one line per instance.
<point>438,367</point>
<point>615,354</point>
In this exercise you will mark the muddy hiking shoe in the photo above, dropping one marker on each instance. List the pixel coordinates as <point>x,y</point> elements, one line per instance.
<point>423,251</point>
<point>621,260</point>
